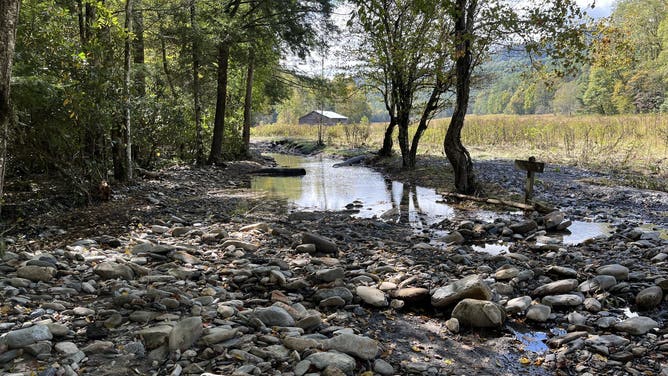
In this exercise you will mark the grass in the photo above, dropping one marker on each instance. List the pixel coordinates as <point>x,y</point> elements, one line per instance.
<point>636,144</point>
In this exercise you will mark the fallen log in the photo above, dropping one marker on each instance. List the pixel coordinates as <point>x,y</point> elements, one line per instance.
<point>493,201</point>
<point>279,171</point>
<point>351,161</point>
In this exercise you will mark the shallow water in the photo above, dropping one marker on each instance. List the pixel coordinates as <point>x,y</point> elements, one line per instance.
<point>325,187</point>
<point>583,231</point>
<point>328,188</point>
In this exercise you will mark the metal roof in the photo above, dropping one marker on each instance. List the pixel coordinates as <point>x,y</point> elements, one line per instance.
<point>331,114</point>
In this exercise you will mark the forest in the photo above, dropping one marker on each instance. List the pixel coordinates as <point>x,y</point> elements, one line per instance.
<point>479,187</point>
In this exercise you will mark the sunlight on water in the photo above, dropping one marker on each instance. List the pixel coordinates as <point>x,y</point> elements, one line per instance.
<point>327,188</point>
<point>583,231</point>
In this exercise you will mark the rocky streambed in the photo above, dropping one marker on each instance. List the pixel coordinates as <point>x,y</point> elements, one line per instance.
<point>192,273</point>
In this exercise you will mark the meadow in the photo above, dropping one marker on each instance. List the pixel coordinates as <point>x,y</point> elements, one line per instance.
<point>636,144</point>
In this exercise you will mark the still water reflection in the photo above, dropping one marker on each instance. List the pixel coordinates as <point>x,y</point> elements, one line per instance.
<point>327,188</point>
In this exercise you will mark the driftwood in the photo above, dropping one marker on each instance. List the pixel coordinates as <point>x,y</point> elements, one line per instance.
<point>277,171</point>
<point>351,161</point>
<point>493,201</point>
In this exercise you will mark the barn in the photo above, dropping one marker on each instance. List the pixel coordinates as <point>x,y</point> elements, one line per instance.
<point>323,117</point>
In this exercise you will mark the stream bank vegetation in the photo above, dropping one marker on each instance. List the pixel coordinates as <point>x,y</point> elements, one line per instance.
<point>632,147</point>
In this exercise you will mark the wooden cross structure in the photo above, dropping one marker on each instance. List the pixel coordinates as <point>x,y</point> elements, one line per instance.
<point>531,167</point>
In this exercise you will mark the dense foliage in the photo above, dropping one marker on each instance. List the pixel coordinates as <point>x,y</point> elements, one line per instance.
<point>69,73</point>
<point>627,71</point>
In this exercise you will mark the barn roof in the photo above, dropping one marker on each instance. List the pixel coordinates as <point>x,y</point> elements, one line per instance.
<point>331,114</point>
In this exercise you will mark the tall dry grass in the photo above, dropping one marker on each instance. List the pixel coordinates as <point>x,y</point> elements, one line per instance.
<point>623,143</point>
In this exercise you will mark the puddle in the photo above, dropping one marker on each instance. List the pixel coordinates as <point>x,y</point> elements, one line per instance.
<point>583,231</point>
<point>533,341</point>
<point>492,249</point>
<point>327,188</point>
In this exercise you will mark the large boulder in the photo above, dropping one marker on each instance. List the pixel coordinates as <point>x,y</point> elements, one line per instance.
<point>468,287</point>
<point>479,313</point>
<point>649,298</point>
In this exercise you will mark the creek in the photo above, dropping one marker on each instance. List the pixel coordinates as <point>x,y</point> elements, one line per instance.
<point>367,193</point>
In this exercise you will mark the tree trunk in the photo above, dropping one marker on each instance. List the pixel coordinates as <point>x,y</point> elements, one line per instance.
<point>248,102</point>
<point>459,157</point>
<point>431,106</point>
<point>165,64</point>
<point>403,120</point>
<point>199,153</point>
<point>138,49</point>
<point>9,18</point>
<point>216,154</point>
<point>127,91</point>
<point>386,150</point>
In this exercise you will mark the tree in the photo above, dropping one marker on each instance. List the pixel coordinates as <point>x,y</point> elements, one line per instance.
<point>9,17</point>
<point>546,29</point>
<point>402,49</point>
<point>292,21</point>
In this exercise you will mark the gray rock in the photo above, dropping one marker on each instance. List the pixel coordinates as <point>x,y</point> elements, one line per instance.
<point>305,248</point>
<point>185,333</point>
<point>142,316</point>
<point>302,367</point>
<point>351,344</point>
<point>649,298</point>
<point>411,294</point>
<point>158,229</point>
<point>524,227</point>
<point>274,316</point>
<point>382,367</point>
<point>148,247</point>
<point>27,336</point>
<point>620,272</point>
<point>66,348</point>
<point>216,335</point>
<point>562,271</point>
<point>608,340</point>
<point>598,283</point>
<point>301,343</point>
<point>479,313</point>
<point>452,324</point>
<point>592,305</point>
<point>553,220</point>
<point>558,287</point>
<point>39,348</point>
<point>455,237</point>
<point>636,325</point>
<point>240,245</point>
<point>372,296</point>
<point>468,287</point>
<point>329,275</point>
<point>506,273</point>
<point>154,336</point>
<point>518,305</point>
<point>99,347</point>
<point>571,300</point>
<point>36,273</point>
<point>322,244</point>
<point>340,292</point>
<point>58,330</point>
<point>322,360</point>
<point>539,312</point>
<point>113,270</point>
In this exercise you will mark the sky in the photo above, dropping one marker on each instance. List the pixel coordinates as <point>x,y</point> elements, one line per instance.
<point>603,7</point>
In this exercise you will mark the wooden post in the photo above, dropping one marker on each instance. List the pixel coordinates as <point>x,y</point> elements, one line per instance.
<point>531,167</point>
